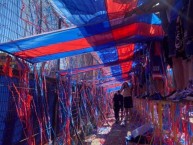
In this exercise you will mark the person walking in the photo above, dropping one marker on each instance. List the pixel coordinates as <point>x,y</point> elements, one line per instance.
<point>127,99</point>
<point>118,104</point>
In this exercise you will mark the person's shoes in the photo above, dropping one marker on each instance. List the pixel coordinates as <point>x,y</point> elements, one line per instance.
<point>123,123</point>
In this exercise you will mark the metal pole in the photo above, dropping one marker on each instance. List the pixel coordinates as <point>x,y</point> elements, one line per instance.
<point>59,27</point>
<point>57,105</point>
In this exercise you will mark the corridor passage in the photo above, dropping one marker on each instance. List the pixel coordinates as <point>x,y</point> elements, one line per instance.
<point>114,134</point>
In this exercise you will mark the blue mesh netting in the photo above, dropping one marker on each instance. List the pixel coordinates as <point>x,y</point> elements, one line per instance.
<point>11,127</point>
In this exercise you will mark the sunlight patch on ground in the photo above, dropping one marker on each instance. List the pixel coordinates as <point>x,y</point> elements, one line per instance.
<point>90,138</point>
<point>103,130</point>
<point>98,142</point>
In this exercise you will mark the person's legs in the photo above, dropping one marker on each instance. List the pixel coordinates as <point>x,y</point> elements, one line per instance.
<point>116,111</point>
<point>122,114</point>
<point>130,113</point>
<point>126,113</point>
<point>125,107</point>
<point>128,105</point>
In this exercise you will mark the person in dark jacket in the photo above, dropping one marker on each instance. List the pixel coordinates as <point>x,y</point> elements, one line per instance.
<point>117,105</point>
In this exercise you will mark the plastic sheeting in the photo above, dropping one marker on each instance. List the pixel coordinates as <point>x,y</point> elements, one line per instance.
<point>101,27</point>
<point>80,12</point>
<point>84,39</point>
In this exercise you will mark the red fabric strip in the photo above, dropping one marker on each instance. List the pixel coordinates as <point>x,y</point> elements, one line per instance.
<point>96,40</point>
<point>138,29</point>
<point>125,51</point>
<point>67,46</point>
<point>126,67</point>
<point>118,8</point>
